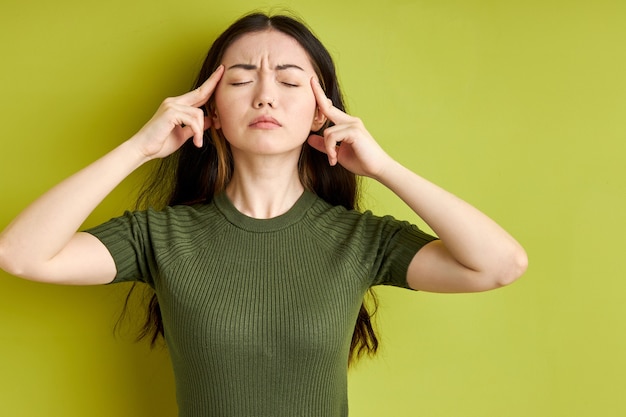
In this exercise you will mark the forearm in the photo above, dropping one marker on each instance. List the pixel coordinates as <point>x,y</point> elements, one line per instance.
<point>474,240</point>
<point>43,229</point>
<point>474,253</point>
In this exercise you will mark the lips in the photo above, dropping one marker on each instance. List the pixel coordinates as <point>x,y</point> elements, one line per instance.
<point>265,122</point>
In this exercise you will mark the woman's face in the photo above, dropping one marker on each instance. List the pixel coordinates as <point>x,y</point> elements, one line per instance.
<point>264,101</point>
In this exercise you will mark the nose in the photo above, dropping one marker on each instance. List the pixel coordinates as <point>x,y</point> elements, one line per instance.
<point>265,94</point>
<point>263,101</point>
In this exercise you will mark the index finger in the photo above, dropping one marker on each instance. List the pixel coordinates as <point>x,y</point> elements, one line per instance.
<point>201,95</point>
<point>326,105</point>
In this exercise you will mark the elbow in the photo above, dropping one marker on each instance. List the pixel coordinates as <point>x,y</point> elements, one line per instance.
<point>512,267</point>
<point>5,258</point>
<point>7,261</point>
<point>503,270</point>
<point>11,261</point>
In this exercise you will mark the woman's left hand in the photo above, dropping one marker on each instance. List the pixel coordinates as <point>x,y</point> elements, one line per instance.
<point>347,142</point>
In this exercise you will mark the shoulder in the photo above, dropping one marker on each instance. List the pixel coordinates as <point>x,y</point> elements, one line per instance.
<point>363,228</point>
<point>170,222</point>
<point>323,211</point>
<point>331,221</point>
<point>179,215</point>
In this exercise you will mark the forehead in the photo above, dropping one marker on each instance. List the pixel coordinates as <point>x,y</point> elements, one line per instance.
<point>270,46</point>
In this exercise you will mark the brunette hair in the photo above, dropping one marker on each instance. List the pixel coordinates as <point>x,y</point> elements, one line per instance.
<point>192,175</point>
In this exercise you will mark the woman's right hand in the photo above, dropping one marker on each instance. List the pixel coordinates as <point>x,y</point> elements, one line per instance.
<point>176,120</point>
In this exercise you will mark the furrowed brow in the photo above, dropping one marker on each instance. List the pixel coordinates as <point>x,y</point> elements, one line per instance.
<point>288,66</point>
<point>251,67</point>
<point>248,67</point>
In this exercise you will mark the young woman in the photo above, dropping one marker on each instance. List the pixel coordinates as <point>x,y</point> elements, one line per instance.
<point>259,260</point>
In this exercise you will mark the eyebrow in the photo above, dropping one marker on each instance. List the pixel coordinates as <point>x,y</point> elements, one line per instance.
<point>250,67</point>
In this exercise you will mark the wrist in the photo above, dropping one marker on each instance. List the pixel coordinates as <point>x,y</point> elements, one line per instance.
<point>388,171</point>
<point>134,151</point>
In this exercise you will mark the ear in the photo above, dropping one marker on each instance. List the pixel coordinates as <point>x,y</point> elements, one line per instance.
<point>214,116</point>
<point>318,120</point>
<point>215,120</point>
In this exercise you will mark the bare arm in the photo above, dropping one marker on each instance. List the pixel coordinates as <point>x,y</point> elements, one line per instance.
<point>42,243</point>
<point>473,253</point>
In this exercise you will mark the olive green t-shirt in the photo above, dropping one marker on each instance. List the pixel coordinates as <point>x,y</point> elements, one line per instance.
<point>259,313</point>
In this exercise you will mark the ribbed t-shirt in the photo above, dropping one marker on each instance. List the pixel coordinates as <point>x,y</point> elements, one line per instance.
<point>259,313</point>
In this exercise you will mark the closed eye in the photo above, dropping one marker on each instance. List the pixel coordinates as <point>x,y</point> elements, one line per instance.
<point>289,84</point>
<point>237,84</point>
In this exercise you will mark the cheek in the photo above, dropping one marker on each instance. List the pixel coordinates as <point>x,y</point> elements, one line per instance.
<point>220,99</point>
<point>223,105</point>
<point>309,109</point>
<point>306,105</point>
<point>305,120</point>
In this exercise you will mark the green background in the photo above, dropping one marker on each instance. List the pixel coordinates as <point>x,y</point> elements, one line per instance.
<point>516,106</point>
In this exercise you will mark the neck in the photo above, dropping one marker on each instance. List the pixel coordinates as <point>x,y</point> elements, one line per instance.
<point>266,187</point>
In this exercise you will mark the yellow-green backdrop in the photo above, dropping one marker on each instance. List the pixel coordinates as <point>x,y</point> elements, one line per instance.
<point>516,106</point>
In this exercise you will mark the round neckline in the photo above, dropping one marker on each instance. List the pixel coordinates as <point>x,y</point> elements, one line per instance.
<point>291,216</point>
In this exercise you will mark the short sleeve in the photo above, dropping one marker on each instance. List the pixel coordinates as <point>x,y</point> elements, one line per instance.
<point>127,240</point>
<point>398,242</point>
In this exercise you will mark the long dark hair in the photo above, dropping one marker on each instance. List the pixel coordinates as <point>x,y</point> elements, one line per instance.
<point>192,175</point>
